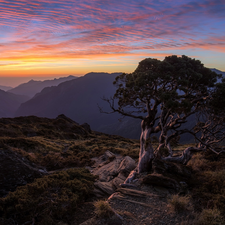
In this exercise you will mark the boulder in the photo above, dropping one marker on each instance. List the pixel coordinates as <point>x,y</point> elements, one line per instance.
<point>126,166</point>
<point>103,188</point>
<point>118,180</point>
<point>112,171</point>
<point>105,168</point>
<point>105,158</point>
<point>16,171</point>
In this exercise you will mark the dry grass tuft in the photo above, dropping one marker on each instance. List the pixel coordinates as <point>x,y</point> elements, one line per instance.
<point>179,203</point>
<point>103,209</point>
<point>210,217</point>
<point>198,163</point>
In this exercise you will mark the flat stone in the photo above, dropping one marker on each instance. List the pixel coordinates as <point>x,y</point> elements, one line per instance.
<point>104,187</point>
<point>117,181</point>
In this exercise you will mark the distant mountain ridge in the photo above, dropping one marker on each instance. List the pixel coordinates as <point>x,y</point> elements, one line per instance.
<point>9,103</point>
<point>32,87</point>
<point>5,88</point>
<point>79,100</point>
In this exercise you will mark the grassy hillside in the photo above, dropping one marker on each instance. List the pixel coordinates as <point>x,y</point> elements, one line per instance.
<point>59,143</point>
<point>63,148</point>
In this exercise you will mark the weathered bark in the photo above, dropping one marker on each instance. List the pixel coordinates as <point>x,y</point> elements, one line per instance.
<point>146,153</point>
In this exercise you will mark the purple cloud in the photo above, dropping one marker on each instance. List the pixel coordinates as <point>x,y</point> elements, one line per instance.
<point>69,28</point>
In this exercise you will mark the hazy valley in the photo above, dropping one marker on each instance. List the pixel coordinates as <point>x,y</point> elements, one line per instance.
<point>76,98</point>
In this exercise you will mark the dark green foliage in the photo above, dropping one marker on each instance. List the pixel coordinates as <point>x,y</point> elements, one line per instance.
<point>218,101</point>
<point>174,82</point>
<point>171,97</point>
<point>48,199</point>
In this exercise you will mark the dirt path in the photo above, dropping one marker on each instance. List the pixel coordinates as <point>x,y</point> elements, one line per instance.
<point>146,205</point>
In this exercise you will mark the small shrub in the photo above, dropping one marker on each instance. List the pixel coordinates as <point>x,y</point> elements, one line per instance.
<point>210,217</point>
<point>103,209</point>
<point>198,163</point>
<point>53,197</point>
<point>210,190</point>
<point>179,203</point>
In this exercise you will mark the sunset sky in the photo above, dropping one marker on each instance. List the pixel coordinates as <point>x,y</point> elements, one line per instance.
<point>55,38</point>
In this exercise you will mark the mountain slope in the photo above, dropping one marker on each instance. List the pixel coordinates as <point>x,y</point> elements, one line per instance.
<point>9,103</point>
<point>32,87</point>
<point>79,99</point>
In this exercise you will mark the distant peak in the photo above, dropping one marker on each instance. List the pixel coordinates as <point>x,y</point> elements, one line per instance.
<point>31,81</point>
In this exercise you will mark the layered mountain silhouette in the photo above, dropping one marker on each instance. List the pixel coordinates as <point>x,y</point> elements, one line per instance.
<point>79,100</point>
<point>32,87</point>
<point>5,88</point>
<point>9,103</point>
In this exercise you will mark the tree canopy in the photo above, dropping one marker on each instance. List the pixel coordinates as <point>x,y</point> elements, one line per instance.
<point>164,95</point>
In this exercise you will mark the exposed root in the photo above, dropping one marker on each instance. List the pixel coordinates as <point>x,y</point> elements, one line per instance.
<point>131,176</point>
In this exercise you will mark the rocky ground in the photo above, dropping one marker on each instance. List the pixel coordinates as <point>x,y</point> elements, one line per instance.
<point>146,202</point>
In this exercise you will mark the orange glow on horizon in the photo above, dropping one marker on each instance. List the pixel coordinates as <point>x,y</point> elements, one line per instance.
<point>59,38</point>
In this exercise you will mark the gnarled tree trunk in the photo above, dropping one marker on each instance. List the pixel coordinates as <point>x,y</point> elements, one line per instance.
<point>146,154</point>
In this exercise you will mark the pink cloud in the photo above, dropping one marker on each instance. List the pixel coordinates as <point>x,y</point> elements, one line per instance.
<point>71,29</point>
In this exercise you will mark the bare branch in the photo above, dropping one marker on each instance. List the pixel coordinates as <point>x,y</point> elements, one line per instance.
<point>111,104</point>
<point>185,157</point>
